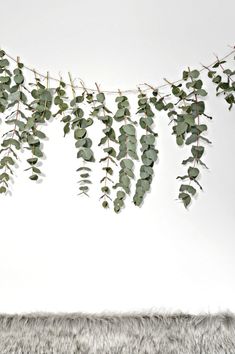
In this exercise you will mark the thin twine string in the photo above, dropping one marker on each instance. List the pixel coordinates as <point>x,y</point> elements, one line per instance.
<point>149,87</point>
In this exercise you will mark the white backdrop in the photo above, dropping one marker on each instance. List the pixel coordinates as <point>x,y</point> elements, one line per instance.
<point>59,252</point>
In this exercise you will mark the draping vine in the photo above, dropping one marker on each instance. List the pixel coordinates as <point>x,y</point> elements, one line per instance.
<point>129,139</point>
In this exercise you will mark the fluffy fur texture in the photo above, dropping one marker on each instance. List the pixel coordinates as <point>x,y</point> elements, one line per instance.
<point>117,334</point>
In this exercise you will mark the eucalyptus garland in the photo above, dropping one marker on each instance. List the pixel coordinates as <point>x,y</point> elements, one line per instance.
<point>128,145</point>
<point>223,79</point>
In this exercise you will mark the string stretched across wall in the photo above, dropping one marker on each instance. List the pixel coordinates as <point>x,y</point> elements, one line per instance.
<point>131,149</point>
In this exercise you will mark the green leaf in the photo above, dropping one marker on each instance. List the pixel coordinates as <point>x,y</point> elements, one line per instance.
<point>32,141</point>
<point>4,79</point>
<point>193,172</point>
<point>189,119</point>
<point>198,85</point>
<point>179,140</point>
<point>181,128</point>
<point>190,159</point>
<point>32,160</point>
<point>120,98</point>
<point>150,139</point>
<point>83,188</point>
<point>40,134</point>
<point>37,151</point>
<point>110,151</point>
<point>66,128</point>
<point>105,189</point>
<point>125,180</point>
<point>34,177</point>
<point>127,163</point>
<point>120,113</point>
<point>186,199</point>
<point>4,176</point>
<point>7,160</point>
<point>105,205</point>
<point>19,79</point>
<point>3,189</point>
<point>129,129</point>
<point>4,62</point>
<point>79,133</point>
<point>191,139</point>
<point>83,168</point>
<point>11,141</point>
<point>201,92</point>
<point>133,154</point>
<point>198,108</point>
<point>36,170</point>
<point>84,175</point>
<point>188,188</point>
<point>120,195</point>
<point>87,154</point>
<point>197,151</point>
<point>100,97</point>
<point>194,74</point>
<point>152,154</point>
<point>30,123</point>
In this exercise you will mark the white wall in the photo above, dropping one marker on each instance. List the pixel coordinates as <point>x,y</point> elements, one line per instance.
<point>59,252</point>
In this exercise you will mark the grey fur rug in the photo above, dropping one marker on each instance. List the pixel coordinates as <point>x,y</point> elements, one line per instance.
<point>117,334</point>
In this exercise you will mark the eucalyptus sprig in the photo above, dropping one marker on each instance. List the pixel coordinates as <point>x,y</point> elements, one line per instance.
<point>127,151</point>
<point>11,144</point>
<point>149,152</point>
<point>60,101</point>
<point>189,129</point>
<point>223,79</point>
<point>83,143</point>
<point>40,109</point>
<point>5,81</point>
<point>161,103</point>
<point>104,115</point>
<point>60,98</point>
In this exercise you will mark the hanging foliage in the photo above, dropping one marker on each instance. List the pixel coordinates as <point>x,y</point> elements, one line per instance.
<point>79,125</point>
<point>149,153</point>
<point>12,141</point>
<point>188,129</point>
<point>40,109</point>
<point>128,145</point>
<point>223,79</point>
<point>105,116</point>
<point>127,151</point>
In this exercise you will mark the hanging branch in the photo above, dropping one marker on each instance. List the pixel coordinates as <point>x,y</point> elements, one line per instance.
<point>189,130</point>
<point>149,153</point>
<point>160,102</point>
<point>60,101</point>
<point>223,78</point>
<point>12,138</point>
<point>127,150</point>
<point>83,143</point>
<point>40,109</point>
<point>103,114</point>
<point>5,81</point>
